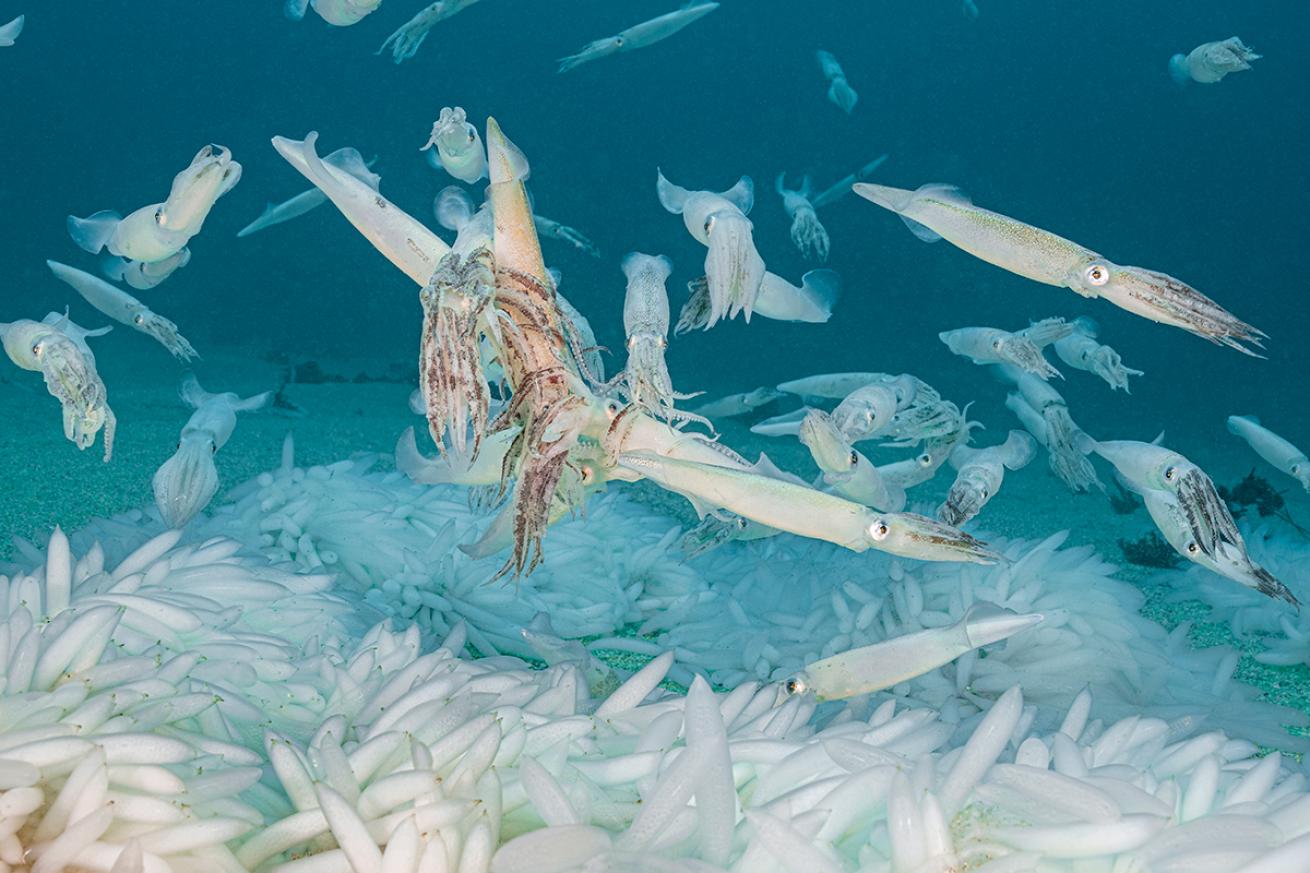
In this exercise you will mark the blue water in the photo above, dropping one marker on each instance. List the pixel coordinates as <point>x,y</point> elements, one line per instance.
<point>1060,114</point>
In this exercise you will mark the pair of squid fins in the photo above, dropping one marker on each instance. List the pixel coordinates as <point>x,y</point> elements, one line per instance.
<point>1074,343</point>
<point>151,243</point>
<point>56,348</point>
<point>186,483</point>
<point>1185,505</point>
<point>735,278</point>
<point>937,212</point>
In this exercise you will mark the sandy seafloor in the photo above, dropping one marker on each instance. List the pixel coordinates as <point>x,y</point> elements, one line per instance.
<point>45,480</point>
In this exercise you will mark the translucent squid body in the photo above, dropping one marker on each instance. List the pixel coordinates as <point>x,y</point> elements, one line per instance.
<point>1081,351</point>
<point>845,470</point>
<point>979,473</point>
<point>458,145</point>
<point>1044,414</point>
<point>70,377</point>
<point>1230,559</point>
<point>840,92</point>
<point>187,481</point>
<point>807,234</point>
<point>738,404</point>
<point>159,232</point>
<point>554,230</point>
<point>991,345</point>
<point>843,186</point>
<point>734,270</point>
<point>125,309</point>
<point>941,212</point>
<point>646,322</point>
<point>1273,448</point>
<point>889,663</point>
<point>341,13</point>
<point>1210,62</point>
<point>812,301</point>
<point>347,160</point>
<point>806,511</point>
<point>143,275</point>
<point>9,32</point>
<point>639,35</point>
<point>405,41</point>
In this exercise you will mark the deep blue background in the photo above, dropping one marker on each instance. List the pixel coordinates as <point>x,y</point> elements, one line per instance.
<point>1061,114</point>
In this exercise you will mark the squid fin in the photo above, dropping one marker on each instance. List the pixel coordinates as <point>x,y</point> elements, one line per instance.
<point>93,232</point>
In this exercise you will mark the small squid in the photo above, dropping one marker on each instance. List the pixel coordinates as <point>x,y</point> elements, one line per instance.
<point>348,160</point>
<point>340,13</point>
<point>125,309</point>
<point>843,186</point>
<point>812,301</point>
<point>979,473</point>
<point>1081,351</point>
<point>807,233</point>
<point>936,212</point>
<point>551,229</point>
<point>458,146</point>
<point>867,411</point>
<point>70,377</point>
<point>639,35</point>
<point>840,92</point>
<point>734,269</point>
<point>845,470</point>
<point>646,322</point>
<point>1211,61</point>
<point>836,386</point>
<point>406,39</point>
<point>1271,447</point>
<point>1045,415</point>
<point>187,481</point>
<point>738,404</point>
<point>991,345</point>
<point>143,275</point>
<point>161,230</point>
<point>9,32</point>
<point>900,659</point>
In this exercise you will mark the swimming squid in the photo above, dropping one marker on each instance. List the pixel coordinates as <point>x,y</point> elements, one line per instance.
<point>187,481</point>
<point>1044,414</point>
<point>845,470</point>
<point>991,345</point>
<point>836,386</point>
<point>75,332</point>
<point>1211,61</point>
<point>143,275</point>
<point>70,377</point>
<point>347,160</point>
<point>738,404</point>
<point>554,230</point>
<point>458,145</point>
<point>719,529</point>
<point>941,212</point>
<point>407,38</point>
<point>1081,351</point>
<point>125,309</point>
<point>639,35</point>
<point>840,92</point>
<point>979,474</point>
<point>785,424</point>
<point>1152,467</point>
<point>646,323</point>
<point>900,659</point>
<point>9,32</point>
<point>1229,559</point>
<point>812,301</point>
<point>734,269</point>
<point>160,230</point>
<point>867,411</point>
<point>1273,448</point>
<point>343,13</point>
<point>807,233</point>
<point>843,186</point>
<point>808,512</point>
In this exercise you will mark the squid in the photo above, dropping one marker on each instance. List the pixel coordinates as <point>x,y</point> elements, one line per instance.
<point>843,186</point>
<point>455,467</point>
<point>9,32</point>
<point>807,233</point>
<point>639,35</point>
<point>738,404</point>
<point>845,470</point>
<point>812,301</point>
<point>341,13</point>
<point>941,212</point>
<point>143,275</point>
<point>991,345</point>
<point>70,377</point>
<point>867,411</point>
<point>806,511</point>
<point>1211,61</point>
<point>1230,559</point>
<point>159,231</point>
<point>1081,351</point>
<point>840,92</point>
<point>835,386</point>
<point>186,482</point>
<point>900,659</point>
<point>125,309</point>
<point>406,39</point>
<point>75,332</point>
<point>347,160</point>
<point>1271,447</point>
<point>458,147</point>
<point>979,474</point>
<point>646,323</point>
<point>1045,415</point>
<point>717,530</point>
<point>554,230</point>
<point>734,269</point>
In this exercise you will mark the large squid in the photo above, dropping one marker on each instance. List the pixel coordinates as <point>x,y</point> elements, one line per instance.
<point>936,212</point>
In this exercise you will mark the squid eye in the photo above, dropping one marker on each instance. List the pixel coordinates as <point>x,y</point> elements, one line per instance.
<point>213,449</point>
<point>983,493</point>
<point>879,530</point>
<point>741,523</point>
<point>925,460</point>
<point>996,344</point>
<point>1296,470</point>
<point>855,458</point>
<point>588,475</point>
<point>1097,274</point>
<point>1170,473</point>
<point>794,685</point>
<point>618,40</point>
<point>611,408</point>
<point>37,349</point>
<point>1192,548</point>
<point>664,343</point>
<point>159,215</point>
<point>138,319</point>
<point>709,224</point>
